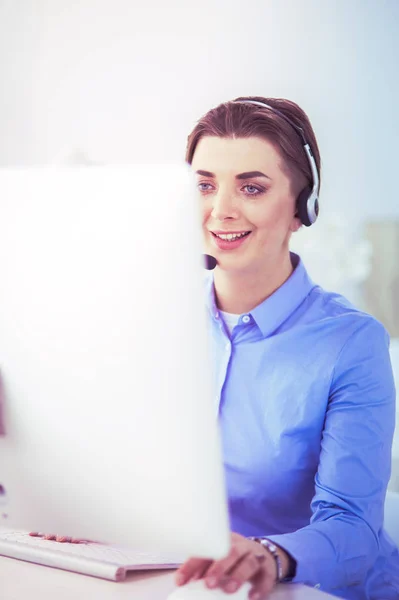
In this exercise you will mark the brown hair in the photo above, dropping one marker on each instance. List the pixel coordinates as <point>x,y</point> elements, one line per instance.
<point>247,120</point>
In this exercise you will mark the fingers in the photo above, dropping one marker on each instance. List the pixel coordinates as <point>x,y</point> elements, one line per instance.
<point>230,573</point>
<point>219,574</point>
<point>243,571</point>
<point>62,539</point>
<point>202,570</point>
<point>193,568</point>
<point>263,583</point>
<point>42,535</point>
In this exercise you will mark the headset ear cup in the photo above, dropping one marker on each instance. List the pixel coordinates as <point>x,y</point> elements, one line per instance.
<point>302,206</point>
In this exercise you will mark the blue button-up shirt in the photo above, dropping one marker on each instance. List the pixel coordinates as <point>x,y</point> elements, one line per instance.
<point>305,398</point>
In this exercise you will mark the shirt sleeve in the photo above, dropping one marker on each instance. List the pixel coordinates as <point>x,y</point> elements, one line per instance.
<point>341,542</point>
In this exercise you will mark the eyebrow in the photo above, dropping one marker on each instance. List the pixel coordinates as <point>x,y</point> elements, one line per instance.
<point>247,175</point>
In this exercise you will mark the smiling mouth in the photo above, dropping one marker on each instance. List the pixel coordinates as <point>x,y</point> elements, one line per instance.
<point>230,237</point>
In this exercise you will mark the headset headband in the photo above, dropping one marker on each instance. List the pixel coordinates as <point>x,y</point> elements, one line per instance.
<point>308,205</point>
<point>306,146</point>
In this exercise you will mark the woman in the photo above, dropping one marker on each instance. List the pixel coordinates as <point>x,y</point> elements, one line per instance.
<point>303,379</point>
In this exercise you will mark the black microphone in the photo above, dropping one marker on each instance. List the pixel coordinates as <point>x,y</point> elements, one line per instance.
<point>210,262</point>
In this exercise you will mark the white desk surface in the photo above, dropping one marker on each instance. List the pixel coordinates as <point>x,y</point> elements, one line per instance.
<point>22,580</point>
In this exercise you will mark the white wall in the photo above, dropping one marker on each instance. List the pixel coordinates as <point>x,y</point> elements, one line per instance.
<point>125,81</point>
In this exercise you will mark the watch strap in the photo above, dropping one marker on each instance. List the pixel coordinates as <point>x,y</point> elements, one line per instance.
<point>272,549</point>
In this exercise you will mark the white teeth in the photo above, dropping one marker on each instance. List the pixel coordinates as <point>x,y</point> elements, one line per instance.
<point>230,236</point>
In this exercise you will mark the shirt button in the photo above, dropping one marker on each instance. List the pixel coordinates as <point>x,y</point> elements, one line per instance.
<point>317,586</point>
<point>246,319</point>
<point>227,346</point>
<point>216,315</point>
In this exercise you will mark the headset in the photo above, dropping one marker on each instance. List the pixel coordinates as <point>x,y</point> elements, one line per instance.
<point>307,203</point>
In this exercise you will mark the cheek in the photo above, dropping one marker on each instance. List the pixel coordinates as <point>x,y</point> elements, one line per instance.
<point>271,231</point>
<point>205,213</point>
<point>267,222</point>
<point>274,219</point>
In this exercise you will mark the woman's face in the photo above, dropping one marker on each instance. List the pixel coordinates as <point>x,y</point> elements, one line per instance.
<point>247,200</point>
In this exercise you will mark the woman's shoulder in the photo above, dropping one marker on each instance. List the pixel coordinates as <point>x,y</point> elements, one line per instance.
<point>342,314</point>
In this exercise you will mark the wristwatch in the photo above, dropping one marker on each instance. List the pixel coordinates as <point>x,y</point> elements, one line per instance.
<point>272,549</point>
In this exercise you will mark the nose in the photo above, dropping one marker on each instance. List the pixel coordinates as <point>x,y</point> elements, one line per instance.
<point>224,206</point>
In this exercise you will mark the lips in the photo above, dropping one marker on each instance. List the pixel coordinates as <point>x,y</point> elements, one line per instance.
<point>226,231</point>
<point>229,240</point>
<point>230,235</point>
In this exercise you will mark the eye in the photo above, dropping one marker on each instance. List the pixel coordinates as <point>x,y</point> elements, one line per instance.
<point>204,187</point>
<point>253,190</point>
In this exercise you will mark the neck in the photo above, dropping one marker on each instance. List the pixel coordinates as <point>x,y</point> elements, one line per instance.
<point>241,292</point>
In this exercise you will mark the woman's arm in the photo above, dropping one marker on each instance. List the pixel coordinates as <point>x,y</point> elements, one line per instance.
<point>340,544</point>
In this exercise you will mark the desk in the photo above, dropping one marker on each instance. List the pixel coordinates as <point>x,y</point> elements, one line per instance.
<point>22,580</point>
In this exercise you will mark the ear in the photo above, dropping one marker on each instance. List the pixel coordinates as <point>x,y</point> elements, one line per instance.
<point>295,224</point>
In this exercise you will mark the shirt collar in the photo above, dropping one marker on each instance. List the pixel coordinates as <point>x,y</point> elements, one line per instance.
<point>273,311</point>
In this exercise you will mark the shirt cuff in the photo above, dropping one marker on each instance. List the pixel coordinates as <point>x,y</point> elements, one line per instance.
<point>308,570</point>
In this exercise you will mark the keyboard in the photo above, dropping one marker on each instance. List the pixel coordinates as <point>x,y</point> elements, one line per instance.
<point>88,558</point>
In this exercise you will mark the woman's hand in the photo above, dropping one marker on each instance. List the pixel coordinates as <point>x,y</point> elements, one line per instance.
<point>58,538</point>
<point>247,561</point>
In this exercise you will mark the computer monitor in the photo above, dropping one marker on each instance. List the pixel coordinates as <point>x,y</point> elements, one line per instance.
<point>110,429</point>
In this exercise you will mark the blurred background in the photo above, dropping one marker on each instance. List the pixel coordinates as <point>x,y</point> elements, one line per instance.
<point>98,82</point>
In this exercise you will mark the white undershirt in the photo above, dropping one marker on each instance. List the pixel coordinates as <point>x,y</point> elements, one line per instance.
<point>229,319</point>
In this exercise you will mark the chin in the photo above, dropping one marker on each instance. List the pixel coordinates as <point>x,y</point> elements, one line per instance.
<point>231,264</point>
